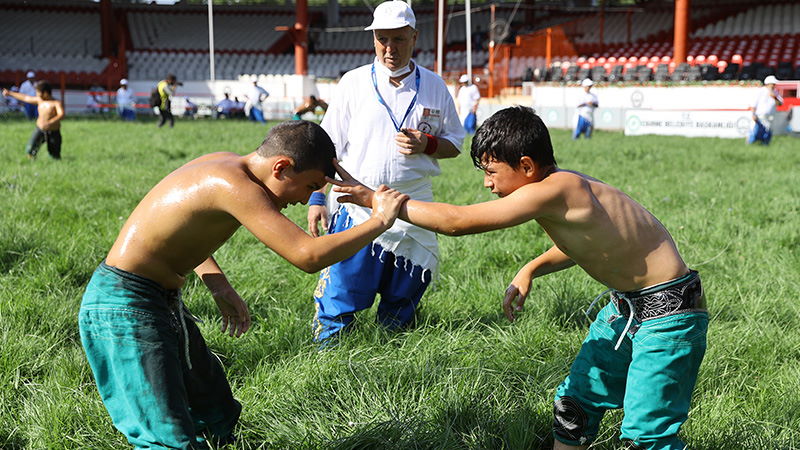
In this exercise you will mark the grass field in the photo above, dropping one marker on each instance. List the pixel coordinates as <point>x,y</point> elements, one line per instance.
<point>464,378</point>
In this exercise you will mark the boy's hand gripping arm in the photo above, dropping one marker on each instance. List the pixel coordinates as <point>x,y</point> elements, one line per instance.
<point>235,315</point>
<point>550,261</point>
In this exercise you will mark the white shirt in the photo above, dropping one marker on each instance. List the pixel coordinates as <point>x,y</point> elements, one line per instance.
<point>27,88</point>
<point>587,110</point>
<point>765,105</point>
<point>125,98</point>
<point>467,98</point>
<point>363,133</point>
<point>254,97</point>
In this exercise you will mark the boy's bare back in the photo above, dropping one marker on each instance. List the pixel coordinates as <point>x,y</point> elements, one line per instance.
<point>196,208</point>
<point>185,218</point>
<point>592,224</point>
<point>48,109</point>
<point>608,234</point>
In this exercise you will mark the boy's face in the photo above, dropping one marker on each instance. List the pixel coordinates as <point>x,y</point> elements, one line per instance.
<point>501,178</point>
<point>298,186</point>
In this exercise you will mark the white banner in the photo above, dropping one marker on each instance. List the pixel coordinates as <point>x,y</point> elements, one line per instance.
<point>692,123</point>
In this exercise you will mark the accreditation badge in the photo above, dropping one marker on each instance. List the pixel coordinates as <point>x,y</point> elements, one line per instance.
<point>431,121</point>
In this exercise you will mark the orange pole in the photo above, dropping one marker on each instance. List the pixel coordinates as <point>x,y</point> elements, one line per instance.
<point>681,30</point>
<point>63,89</point>
<point>301,38</point>
<point>548,47</point>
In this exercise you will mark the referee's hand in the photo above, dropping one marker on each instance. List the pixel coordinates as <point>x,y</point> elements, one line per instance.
<point>411,141</point>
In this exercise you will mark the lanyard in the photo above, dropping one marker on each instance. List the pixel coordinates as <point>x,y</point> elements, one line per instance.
<point>391,114</point>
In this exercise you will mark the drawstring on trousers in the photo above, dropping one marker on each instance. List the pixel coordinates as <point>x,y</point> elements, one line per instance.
<point>627,325</point>
<point>630,315</point>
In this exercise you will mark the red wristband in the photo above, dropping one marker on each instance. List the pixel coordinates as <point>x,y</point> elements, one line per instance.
<point>430,147</point>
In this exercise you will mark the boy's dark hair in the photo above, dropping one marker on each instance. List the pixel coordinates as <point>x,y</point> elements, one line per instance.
<point>44,87</point>
<point>509,135</point>
<point>305,142</point>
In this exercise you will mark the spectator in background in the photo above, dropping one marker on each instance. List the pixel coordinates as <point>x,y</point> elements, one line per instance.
<point>126,103</point>
<point>391,121</point>
<point>467,99</point>
<point>764,109</point>
<point>189,108</point>
<point>94,102</point>
<point>254,108</point>
<point>12,103</point>
<point>309,105</point>
<point>586,111</point>
<point>225,107</point>
<point>28,87</point>
<point>166,89</point>
<point>238,108</point>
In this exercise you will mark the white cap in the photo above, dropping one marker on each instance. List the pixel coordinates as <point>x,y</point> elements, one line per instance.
<point>392,15</point>
<point>30,74</point>
<point>464,78</point>
<point>123,81</point>
<point>770,80</point>
<point>587,82</point>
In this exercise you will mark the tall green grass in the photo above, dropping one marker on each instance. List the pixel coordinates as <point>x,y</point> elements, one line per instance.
<point>464,377</point>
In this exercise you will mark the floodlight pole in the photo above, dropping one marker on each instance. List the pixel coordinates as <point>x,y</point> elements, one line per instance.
<point>440,38</point>
<point>211,69</point>
<point>468,7</point>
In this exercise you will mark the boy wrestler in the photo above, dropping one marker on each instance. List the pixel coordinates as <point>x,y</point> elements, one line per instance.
<point>158,380</point>
<point>48,124</point>
<point>644,349</point>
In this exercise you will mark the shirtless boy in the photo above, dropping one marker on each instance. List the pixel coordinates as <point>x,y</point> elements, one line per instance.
<point>644,349</point>
<point>48,124</point>
<point>158,380</point>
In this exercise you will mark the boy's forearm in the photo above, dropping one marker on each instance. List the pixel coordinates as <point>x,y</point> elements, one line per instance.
<point>212,275</point>
<point>553,260</point>
<point>437,217</point>
<point>329,249</point>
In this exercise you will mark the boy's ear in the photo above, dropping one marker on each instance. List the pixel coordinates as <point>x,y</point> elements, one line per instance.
<point>281,165</point>
<point>527,166</point>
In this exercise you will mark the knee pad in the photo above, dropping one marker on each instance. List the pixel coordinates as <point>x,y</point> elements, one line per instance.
<point>570,420</point>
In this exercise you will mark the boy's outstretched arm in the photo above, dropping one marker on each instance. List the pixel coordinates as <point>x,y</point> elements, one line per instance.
<point>235,315</point>
<point>257,212</point>
<point>520,206</point>
<point>550,261</point>
<point>21,97</point>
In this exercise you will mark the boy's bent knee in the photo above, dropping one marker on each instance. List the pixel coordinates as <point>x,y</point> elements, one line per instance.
<point>570,422</point>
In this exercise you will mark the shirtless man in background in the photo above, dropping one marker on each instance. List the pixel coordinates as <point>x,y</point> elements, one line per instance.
<point>48,124</point>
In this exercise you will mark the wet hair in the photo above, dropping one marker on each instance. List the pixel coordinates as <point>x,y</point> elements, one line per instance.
<point>509,135</point>
<point>305,142</point>
<point>44,87</point>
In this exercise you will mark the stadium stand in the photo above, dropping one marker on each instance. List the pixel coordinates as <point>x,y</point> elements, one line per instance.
<point>744,40</point>
<point>189,30</point>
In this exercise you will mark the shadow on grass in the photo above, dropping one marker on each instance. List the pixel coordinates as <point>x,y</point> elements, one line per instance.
<point>14,250</point>
<point>456,426</point>
<point>179,155</point>
<point>11,441</point>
